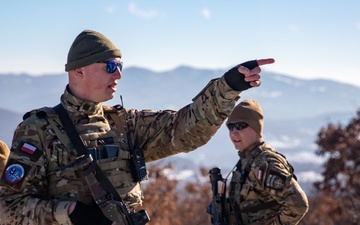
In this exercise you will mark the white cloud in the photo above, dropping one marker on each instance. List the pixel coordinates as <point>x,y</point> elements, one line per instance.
<point>284,142</point>
<point>146,14</point>
<point>358,25</point>
<point>308,157</point>
<point>206,13</point>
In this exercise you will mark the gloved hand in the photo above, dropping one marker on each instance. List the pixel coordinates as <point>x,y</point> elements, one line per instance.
<point>236,80</point>
<point>88,215</point>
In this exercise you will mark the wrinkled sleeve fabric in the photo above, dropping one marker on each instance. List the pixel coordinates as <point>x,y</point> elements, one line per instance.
<point>289,195</point>
<point>295,203</point>
<point>165,133</point>
<point>22,190</point>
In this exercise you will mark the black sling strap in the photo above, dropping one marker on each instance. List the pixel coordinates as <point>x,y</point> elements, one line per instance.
<point>81,150</point>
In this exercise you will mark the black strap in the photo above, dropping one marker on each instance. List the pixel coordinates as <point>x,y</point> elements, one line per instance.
<point>261,206</point>
<point>81,150</point>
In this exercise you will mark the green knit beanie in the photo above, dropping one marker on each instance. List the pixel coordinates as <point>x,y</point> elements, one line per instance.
<point>248,111</point>
<point>90,47</point>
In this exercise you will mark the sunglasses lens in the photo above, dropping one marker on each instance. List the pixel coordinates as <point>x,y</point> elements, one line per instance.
<point>238,126</point>
<point>112,65</point>
<point>120,66</point>
<point>230,126</point>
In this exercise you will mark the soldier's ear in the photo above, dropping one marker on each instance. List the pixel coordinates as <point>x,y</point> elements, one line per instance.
<point>79,72</point>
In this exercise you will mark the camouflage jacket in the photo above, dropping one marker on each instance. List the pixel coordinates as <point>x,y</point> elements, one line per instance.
<point>263,189</point>
<point>37,184</point>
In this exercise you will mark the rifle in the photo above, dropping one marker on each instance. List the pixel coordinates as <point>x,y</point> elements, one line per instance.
<point>217,208</point>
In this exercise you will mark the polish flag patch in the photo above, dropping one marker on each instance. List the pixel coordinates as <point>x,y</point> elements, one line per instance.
<point>28,148</point>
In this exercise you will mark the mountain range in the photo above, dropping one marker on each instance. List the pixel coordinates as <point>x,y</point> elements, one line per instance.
<point>294,110</point>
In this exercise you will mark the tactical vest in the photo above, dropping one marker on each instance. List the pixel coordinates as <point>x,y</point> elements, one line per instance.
<point>108,145</point>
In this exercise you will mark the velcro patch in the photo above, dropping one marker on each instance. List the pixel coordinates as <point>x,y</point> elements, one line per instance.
<point>275,181</point>
<point>15,173</point>
<point>28,150</point>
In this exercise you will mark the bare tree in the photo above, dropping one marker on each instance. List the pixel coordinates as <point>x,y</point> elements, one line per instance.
<point>171,202</point>
<point>338,201</point>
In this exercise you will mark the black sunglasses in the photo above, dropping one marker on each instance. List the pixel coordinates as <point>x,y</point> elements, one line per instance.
<point>111,65</point>
<point>238,126</point>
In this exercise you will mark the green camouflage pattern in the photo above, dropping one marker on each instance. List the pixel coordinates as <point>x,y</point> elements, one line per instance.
<point>270,178</point>
<point>40,147</point>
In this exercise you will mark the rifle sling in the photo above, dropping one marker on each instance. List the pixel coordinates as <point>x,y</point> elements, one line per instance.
<point>81,150</point>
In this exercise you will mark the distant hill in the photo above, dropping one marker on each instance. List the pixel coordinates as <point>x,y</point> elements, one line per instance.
<point>8,122</point>
<point>294,109</point>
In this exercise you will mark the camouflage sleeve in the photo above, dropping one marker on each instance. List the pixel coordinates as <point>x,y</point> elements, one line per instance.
<point>167,132</point>
<point>23,184</point>
<point>276,179</point>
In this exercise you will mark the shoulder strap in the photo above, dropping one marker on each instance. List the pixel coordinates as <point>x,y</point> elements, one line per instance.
<point>125,125</point>
<point>114,112</point>
<point>245,172</point>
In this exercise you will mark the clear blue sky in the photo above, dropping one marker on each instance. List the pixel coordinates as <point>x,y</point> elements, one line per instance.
<point>309,38</point>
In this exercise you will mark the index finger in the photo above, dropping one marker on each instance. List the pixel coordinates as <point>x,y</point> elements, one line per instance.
<point>265,61</point>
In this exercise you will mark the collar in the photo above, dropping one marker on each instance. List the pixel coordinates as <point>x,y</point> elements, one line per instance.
<point>250,149</point>
<point>79,106</point>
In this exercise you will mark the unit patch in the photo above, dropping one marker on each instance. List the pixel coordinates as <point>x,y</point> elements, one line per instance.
<point>14,173</point>
<point>275,181</point>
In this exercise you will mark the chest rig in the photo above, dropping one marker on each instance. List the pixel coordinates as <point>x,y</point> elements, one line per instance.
<point>241,172</point>
<point>106,140</point>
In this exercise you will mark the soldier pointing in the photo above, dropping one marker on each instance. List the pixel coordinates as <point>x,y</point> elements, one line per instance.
<point>49,180</point>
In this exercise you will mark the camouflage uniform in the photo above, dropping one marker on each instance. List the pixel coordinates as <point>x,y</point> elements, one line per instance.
<point>269,193</point>
<point>32,189</point>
